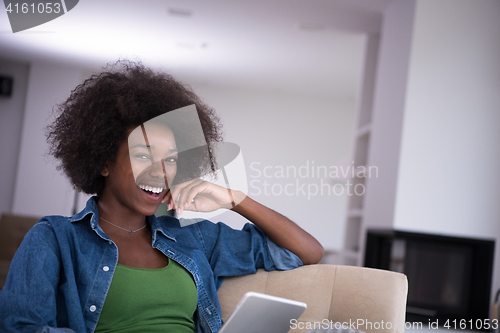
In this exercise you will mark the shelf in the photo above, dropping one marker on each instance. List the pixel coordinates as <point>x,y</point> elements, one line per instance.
<point>361,150</point>
<point>363,139</point>
<point>350,254</point>
<point>358,173</point>
<point>364,130</point>
<point>356,194</point>
<point>352,234</point>
<point>355,213</point>
<point>350,258</point>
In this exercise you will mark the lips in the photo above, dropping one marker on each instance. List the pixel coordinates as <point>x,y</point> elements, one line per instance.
<point>153,189</point>
<point>152,192</point>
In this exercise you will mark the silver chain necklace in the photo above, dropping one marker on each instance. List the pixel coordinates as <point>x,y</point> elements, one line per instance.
<point>131,231</point>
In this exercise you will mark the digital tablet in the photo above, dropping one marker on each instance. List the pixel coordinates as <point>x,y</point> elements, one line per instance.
<point>261,313</point>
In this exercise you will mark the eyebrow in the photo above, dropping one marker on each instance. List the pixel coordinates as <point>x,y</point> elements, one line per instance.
<point>140,145</point>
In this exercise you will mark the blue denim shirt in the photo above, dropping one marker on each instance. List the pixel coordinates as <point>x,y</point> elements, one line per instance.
<point>62,271</point>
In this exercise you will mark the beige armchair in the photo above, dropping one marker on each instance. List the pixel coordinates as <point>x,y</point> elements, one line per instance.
<point>365,299</point>
<point>12,231</point>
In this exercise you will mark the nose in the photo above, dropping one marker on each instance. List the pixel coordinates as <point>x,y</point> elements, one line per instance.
<point>156,170</point>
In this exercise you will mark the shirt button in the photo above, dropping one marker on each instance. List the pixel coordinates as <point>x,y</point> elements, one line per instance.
<point>110,242</point>
<point>92,308</point>
<point>105,268</point>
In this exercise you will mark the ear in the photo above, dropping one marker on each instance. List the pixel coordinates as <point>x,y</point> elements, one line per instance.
<point>105,171</point>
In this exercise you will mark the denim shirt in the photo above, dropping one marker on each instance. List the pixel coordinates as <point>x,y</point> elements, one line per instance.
<point>61,273</point>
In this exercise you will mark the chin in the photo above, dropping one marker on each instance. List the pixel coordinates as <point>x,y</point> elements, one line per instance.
<point>147,211</point>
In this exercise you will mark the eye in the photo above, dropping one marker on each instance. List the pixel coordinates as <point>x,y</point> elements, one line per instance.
<point>171,160</point>
<point>144,157</point>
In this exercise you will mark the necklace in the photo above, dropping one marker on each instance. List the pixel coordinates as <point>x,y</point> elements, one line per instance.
<point>131,231</point>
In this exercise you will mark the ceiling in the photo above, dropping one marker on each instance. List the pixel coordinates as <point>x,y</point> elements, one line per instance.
<point>299,46</point>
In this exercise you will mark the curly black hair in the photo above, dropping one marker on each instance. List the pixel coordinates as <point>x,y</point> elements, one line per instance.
<point>93,121</point>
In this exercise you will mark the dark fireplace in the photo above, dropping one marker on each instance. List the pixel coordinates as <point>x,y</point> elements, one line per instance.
<point>449,278</point>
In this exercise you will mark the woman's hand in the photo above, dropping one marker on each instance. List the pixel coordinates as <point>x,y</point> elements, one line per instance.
<point>201,196</point>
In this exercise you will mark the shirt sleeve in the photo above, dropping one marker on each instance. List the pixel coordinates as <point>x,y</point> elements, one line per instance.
<point>28,299</point>
<point>234,252</point>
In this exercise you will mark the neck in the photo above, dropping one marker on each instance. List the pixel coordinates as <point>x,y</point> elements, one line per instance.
<point>120,215</point>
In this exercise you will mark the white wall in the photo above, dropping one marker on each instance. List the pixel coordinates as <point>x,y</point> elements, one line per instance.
<point>276,130</point>
<point>11,119</point>
<point>40,189</point>
<point>450,152</point>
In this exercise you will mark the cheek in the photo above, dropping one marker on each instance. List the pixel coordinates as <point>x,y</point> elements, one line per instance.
<point>138,168</point>
<point>171,171</point>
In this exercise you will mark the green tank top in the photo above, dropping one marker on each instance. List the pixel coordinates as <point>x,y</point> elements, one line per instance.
<point>150,300</point>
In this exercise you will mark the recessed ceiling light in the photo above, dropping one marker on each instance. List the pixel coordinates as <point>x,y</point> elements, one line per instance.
<point>192,45</point>
<point>180,12</point>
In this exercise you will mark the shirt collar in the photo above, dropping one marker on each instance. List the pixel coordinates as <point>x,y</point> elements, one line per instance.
<point>90,208</point>
<point>156,226</point>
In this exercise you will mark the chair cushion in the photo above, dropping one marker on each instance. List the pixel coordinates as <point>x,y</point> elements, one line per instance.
<point>332,293</point>
<point>12,231</point>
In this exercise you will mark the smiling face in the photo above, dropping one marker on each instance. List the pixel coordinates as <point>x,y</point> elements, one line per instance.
<point>144,167</point>
<point>153,157</point>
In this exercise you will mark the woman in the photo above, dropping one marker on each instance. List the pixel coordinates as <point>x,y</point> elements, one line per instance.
<point>115,267</point>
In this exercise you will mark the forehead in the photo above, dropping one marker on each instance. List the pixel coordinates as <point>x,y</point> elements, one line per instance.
<point>152,132</point>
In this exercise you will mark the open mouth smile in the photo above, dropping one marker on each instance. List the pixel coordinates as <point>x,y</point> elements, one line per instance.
<point>152,191</point>
<point>155,190</point>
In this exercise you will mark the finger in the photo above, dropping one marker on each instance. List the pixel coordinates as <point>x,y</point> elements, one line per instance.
<point>171,203</point>
<point>185,199</point>
<point>166,197</point>
<point>177,197</point>
<point>183,194</point>
<point>193,192</point>
<point>191,206</point>
<point>176,189</point>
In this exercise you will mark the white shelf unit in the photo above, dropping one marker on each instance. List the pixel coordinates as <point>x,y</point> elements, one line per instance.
<point>355,214</point>
<point>352,234</point>
<point>379,126</point>
<point>355,224</point>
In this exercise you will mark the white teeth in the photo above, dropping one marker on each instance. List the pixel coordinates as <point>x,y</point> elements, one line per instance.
<point>151,189</point>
